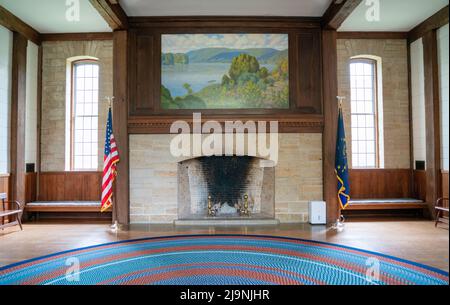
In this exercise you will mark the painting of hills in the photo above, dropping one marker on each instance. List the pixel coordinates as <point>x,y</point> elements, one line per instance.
<point>224,71</point>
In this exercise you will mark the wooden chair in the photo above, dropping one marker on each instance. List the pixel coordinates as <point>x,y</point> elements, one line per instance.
<point>16,213</point>
<point>441,207</point>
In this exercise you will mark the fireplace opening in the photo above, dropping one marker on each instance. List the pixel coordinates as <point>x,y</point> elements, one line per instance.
<point>225,187</point>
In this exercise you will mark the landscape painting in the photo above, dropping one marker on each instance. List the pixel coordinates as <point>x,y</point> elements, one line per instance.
<point>224,71</point>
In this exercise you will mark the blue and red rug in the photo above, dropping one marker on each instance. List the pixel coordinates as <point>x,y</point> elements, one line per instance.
<point>220,260</point>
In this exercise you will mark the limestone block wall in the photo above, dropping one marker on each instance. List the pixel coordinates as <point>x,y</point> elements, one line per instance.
<point>153,178</point>
<point>54,73</point>
<point>393,53</point>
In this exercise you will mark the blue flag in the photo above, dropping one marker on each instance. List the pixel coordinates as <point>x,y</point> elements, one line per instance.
<point>341,165</point>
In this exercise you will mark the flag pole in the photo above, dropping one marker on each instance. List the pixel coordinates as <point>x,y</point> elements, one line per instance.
<point>340,221</point>
<point>115,226</point>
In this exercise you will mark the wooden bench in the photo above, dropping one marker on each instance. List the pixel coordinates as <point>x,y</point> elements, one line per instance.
<point>386,204</point>
<point>63,206</point>
<point>16,213</point>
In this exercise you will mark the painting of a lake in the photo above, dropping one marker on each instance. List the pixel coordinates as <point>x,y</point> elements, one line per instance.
<point>224,71</point>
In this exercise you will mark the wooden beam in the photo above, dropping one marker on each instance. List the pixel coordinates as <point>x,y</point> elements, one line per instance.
<point>411,129</point>
<point>77,36</point>
<point>211,22</point>
<point>18,107</point>
<point>39,118</point>
<point>372,35</point>
<point>120,126</point>
<point>330,112</point>
<point>433,23</point>
<point>337,12</point>
<point>113,14</point>
<point>432,118</point>
<point>14,24</point>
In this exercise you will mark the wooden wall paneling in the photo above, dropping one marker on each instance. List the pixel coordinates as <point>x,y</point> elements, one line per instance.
<point>92,187</point>
<point>144,82</point>
<point>51,186</point>
<point>82,186</point>
<point>74,186</point>
<point>308,83</point>
<point>30,187</point>
<point>380,183</point>
<point>420,184</point>
<point>69,186</point>
<point>18,108</point>
<point>330,112</point>
<point>120,126</point>
<point>432,118</point>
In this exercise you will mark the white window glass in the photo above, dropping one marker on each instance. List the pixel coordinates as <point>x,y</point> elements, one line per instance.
<point>363,112</point>
<point>85,116</point>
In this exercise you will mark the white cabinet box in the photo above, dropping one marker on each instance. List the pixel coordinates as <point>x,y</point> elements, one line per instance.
<point>317,212</point>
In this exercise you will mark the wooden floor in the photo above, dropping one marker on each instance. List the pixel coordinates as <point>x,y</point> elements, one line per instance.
<point>415,240</point>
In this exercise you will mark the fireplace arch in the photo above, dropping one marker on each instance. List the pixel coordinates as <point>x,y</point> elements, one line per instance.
<point>225,187</point>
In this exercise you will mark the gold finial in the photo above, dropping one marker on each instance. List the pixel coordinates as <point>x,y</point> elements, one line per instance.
<point>245,211</point>
<point>210,212</point>
<point>110,100</point>
<point>340,99</point>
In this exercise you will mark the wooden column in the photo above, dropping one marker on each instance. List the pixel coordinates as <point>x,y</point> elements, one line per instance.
<point>120,126</point>
<point>330,112</point>
<point>18,106</point>
<point>39,111</point>
<point>432,119</point>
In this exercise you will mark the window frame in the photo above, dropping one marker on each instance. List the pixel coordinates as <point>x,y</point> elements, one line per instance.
<point>374,63</point>
<point>73,64</point>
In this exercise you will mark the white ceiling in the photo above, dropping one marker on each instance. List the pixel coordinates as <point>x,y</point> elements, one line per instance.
<point>395,15</point>
<point>311,8</point>
<point>49,16</point>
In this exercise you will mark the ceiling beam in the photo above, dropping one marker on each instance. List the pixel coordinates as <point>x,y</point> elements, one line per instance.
<point>434,22</point>
<point>14,24</point>
<point>77,36</point>
<point>112,12</point>
<point>372,35</point>
<point>337,12</point>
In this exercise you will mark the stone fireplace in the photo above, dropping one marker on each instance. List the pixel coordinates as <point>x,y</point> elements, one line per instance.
<point>225,187</point>
<point>155,188</point>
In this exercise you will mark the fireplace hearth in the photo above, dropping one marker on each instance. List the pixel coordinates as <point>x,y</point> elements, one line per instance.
<point>225,188</point>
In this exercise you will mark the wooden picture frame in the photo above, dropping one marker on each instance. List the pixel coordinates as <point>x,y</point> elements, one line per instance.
<point>305,71</point>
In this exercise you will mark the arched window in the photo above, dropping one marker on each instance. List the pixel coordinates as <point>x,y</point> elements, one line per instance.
<point>364,122</point>
<point>84,115</point>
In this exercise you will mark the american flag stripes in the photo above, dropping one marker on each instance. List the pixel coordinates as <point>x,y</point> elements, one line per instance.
<point>110,159</point>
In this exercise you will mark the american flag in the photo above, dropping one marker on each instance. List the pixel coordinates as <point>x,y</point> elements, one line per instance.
<point>110,159</point>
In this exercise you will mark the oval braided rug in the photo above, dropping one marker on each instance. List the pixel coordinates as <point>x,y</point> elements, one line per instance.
<point>220,260</point>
